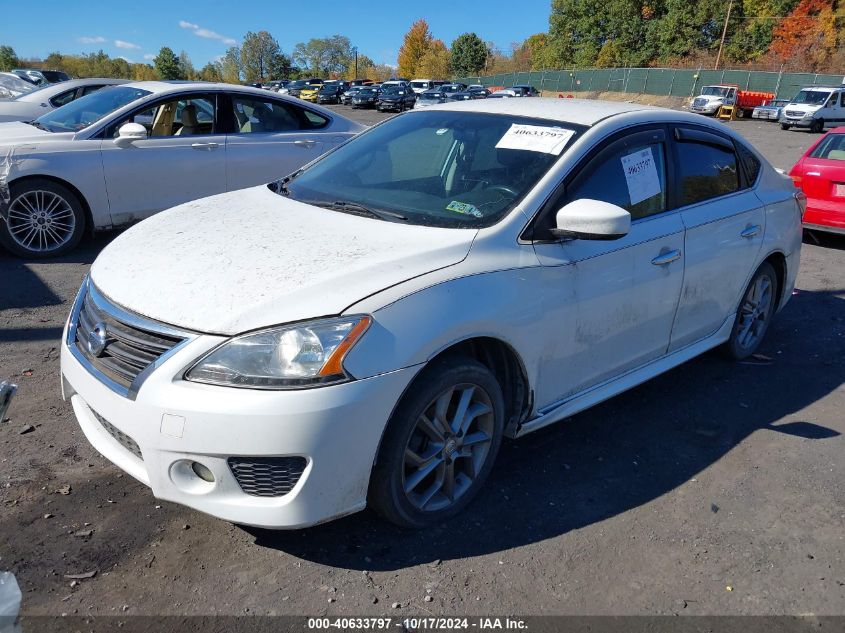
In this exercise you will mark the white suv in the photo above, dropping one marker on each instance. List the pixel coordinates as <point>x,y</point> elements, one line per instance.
<point>815,107</point>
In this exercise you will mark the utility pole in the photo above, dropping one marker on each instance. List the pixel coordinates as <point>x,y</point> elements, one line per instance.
<point>355,52</point>
<point>724,32</point>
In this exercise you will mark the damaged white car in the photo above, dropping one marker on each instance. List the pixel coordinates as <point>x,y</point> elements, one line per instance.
<point>126,152</point>
<point>368,329</point>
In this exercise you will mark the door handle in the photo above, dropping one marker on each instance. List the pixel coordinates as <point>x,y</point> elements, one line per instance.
<point>666,258</point>
<point>208,146</point>
<point>306,143</point>
<point>751,231</point>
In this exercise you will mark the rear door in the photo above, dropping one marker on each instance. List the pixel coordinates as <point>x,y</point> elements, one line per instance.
<point>271,138</point>
<point>725,222</point>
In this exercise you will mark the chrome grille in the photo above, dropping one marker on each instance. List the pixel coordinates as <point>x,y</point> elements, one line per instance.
<point>699,103</point>
<point>267,476</point>
<point>122,438</point>
<point>794,114</point>
<point>125,348</point>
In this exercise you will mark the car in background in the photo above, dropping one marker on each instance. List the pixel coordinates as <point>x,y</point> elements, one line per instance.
<point>12,86</point>
<point>505,93</point>
<point>480,89</point>
<point>419,86</point>
<point>524,90</point>
<point>367,331</point>
<point>435,96</point>
<point>769,111</point>
<point>125,152</point>
<point>396,98</point>
<point>346,97</point>
<point>467,95</point>
<point>453,87</point>
<point>360,82</point>
<point>309,92</point>
<point>815,107</point>
<point>40,77</point>
<point>820,174</point>
<point>366,97</point>
<point>330,93</point>
<point>276,84</point>
<point>49,97</point>
<point>294,88</point>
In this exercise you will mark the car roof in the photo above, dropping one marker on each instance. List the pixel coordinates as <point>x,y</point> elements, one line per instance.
<point>577,111</point>
<point>51,90</point>
<point>822,87</point>
<point>163,87</point>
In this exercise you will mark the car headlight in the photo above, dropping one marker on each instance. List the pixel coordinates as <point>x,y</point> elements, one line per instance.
<point>809,115</point>
<point>287,357</point>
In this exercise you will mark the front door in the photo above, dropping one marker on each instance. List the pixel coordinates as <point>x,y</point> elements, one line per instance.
<point>610,304</point>
<point>182,159</point>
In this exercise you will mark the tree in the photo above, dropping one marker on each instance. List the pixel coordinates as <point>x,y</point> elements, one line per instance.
<point>435,63</point>
<point>144,72</point>
<point>468,56</point>
<point>260,52</point>
<point>230,66</point>
<point>167,64</point>
<point>212,71</point>
<point>416,44</point>
<point>281,67</point>
<point>322,56</point>
<point>807,35</point>
<point>8,58</point>
<point>186,67</point>
<point>364,64</point>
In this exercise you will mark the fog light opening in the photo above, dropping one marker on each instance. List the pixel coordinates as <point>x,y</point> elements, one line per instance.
<point>203,472</point>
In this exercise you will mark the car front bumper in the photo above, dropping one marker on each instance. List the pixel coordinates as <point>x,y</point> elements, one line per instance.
<point>173,423</point>
<point>705,109</point>
<point>802,122</point>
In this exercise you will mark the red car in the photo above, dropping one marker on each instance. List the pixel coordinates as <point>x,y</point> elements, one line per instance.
<point>820,174</point>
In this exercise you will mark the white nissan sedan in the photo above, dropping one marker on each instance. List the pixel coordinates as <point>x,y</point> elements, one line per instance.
<point>123,153</point>
<point>368,329</point>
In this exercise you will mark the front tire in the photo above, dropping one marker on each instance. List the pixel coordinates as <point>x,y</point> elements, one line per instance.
<point>817,126</point>
<point>440,444</point>
<point>45,219</point>
<point>754,314</point>
<point>784,126</point>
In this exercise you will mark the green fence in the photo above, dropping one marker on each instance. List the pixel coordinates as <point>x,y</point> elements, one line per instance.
<point>657,81</point>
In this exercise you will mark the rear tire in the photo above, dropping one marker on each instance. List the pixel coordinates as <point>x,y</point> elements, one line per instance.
<point>440,444</point>
<point>817,126</point>
<point>754,314</point>
<point>45,219</point>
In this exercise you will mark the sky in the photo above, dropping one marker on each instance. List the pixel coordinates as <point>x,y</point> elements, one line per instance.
<point>137,30</point>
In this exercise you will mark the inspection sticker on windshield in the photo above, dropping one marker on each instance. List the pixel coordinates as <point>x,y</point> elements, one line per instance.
<point>641,175</point>
<point>464,208</point>
<point>535,138</point>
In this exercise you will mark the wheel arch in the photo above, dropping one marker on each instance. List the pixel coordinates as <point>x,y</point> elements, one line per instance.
<point>86,208</point>
<point>778,261</point>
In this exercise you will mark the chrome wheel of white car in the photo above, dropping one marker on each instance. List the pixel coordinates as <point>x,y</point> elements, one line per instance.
<point>440,444</point>
<point>754,314</point>
<point>43,220</point>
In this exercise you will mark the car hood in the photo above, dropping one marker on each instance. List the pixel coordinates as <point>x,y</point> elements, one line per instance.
<point>803,107</point>
<point>20,111</point>
<point>17,132</point>
<point>252,258</point>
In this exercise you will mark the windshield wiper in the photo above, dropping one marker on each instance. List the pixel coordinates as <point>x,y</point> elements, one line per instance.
<point>282,185</point>
<point>40,126</point>
<point>359,209</point>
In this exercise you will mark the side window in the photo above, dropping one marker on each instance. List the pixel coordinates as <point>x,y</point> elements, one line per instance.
<point>254,116</point>
<point>705,171</point>
<point>63,98</point>
<point>842,99</point>
<point>629,175</point>
<point>87,90</point>
<point>179,117</point>
<point>750,163</point>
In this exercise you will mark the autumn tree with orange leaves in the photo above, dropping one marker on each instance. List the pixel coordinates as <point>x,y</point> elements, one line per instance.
<point>807,36</point>
<point>418,40</point>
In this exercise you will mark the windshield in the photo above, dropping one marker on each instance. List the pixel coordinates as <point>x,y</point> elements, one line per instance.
<point>811,97</point>
<point>366,91</point>
<point>715,91</point>
<point>13,82</point>
<point>392,90</point>
<point>419,84</point>
<point>431,96</point>
<point>89,109</point>
<point>451,88</point>
<point>433,168</point>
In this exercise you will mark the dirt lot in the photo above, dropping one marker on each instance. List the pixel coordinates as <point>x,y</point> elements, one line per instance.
<point>714,489</point>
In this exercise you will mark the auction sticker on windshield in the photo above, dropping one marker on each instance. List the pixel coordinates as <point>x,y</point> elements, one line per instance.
<point>641,175</point>
<point>535,138</point>
<point>464,208</point>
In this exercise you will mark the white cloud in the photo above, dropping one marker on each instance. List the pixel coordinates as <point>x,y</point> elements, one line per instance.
<point>149,56</point>
<point>123,44</point>
<point>207,33</point>
<point>91,40</point>
<point>126,59</point>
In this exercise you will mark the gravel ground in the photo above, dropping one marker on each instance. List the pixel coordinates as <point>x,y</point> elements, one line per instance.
<point>714,489</point>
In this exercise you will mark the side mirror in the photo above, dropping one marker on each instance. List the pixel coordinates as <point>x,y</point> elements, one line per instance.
<point>129,133</point>
<point>587,219</point>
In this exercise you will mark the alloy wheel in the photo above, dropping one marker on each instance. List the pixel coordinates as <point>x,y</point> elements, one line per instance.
<point>448,447</point>
<point>41,221</point>
<point>755,312</point>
